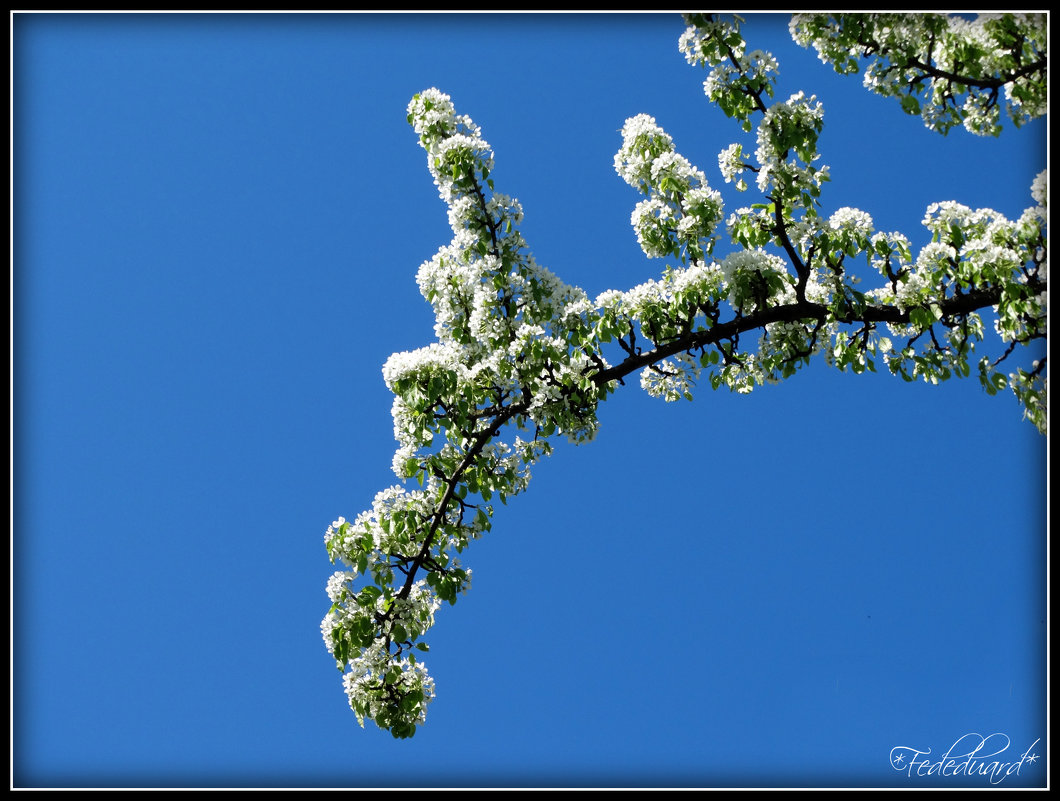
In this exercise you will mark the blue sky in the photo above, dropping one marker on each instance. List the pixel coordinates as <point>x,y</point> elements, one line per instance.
<point>218,221</point>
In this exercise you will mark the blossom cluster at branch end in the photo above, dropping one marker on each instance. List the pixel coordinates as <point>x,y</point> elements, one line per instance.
<point>512,367</point>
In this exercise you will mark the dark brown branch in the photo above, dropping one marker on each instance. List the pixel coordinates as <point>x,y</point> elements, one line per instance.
<point>791,313</point>
<point>480,441</point>
<point>978,83</point>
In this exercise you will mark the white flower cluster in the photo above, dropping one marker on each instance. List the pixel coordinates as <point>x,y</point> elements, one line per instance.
<point>370,533</point>
<point>935,257</point>
<point>438,357</point>
<point>652,302</point>
<point>375,668</point>
<point>754,277</point>
<point>671,379</point>
<point>453,142</point>
<point>1032,391</point>
<point>681,211</point>
<point>339,584</point>
<point>415,613</point>
<point>737,80</point>
<point>941,218</point>
<point>851,220</point>
<point>642,142</point>
<point>722,80</point>
<point>731,164</point>
<point>653,220</point>
<point>675,171</point>
<point>707,40</point>
<point>789,130</point>
<point>970,251</point>
<point>889,251</point>
<point>1040,188</point>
